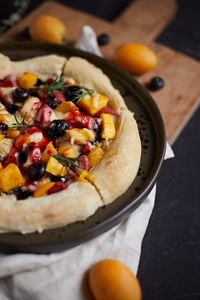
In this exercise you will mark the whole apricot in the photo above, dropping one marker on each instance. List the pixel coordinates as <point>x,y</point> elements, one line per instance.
<point>135,58</point>
<point>47,29</point>
<point>112,280</point>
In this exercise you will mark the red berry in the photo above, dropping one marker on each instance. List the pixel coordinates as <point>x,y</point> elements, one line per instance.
<point>57,187</point>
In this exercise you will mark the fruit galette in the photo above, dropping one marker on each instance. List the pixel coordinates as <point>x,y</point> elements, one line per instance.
<point>68,143</point>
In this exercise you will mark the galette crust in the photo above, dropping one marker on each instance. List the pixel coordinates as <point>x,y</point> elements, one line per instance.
<point>112,175</point>
<point>42,66</point>
<point>79,201</point>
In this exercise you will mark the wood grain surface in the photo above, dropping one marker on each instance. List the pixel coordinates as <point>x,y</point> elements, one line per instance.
<point>141,22</point>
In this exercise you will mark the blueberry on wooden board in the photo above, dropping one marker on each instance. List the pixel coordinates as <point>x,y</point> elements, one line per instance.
<point>103,39</point>
<point>156,83</point>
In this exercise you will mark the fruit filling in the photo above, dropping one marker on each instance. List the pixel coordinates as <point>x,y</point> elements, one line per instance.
<point>51,134</point>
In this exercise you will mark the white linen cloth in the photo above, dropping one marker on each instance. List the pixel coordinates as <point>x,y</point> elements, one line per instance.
<point>61,275</point>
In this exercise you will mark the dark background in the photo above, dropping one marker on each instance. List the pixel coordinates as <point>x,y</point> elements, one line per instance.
<point>170,261</point>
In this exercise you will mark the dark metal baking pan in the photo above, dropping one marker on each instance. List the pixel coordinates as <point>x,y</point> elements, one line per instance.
<point>152,133</point>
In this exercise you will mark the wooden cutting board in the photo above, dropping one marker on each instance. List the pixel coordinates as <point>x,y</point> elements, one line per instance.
<point>140,22</point>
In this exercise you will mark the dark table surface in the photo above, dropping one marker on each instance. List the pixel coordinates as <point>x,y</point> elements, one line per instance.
<point>170,261</point>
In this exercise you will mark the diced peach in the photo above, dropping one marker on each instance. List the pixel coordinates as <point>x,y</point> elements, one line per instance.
<point>10,177</point>
<point>12,133</point>
<point>50,149</point>
<point>85,176</point>
<point>66,151</point>
<point>108,126</point>
<point>27,80</point>
<point>92,104</point>
<point>95,156</point>
<point>66,106</point>
<point>81,136</point>
<point>55,168</point>
<point>42,189</point>
<point>1,137</point>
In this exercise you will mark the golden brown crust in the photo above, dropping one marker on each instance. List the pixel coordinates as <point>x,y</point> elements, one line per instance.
<point>43,66</point>
<point>119,166</point>
<point>79,201</point>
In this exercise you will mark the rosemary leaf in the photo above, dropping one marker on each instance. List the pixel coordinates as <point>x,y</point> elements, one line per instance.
<point>56,85</point>
<point>21,125</point>
<point>67,161</point>
<point>84,91</point>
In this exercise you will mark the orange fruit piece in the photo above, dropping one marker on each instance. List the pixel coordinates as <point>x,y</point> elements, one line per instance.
<point>135,58</point>
<point>112,280</point>
<point>47,29</point>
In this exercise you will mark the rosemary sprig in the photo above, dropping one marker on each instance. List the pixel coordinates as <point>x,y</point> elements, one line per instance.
<point>56,85</point>
<point>84,91</point>
<point>67,161</point>
<point>23,125</point>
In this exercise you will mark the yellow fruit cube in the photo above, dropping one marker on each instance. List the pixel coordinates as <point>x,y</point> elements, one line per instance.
<point>10,177</point>
<point>95,156</point>
<point>12,133</point>
<point>1,137</point>
<point>27,80</point>
<point>92,104</point>
<point>85,176</point>
<point>50,149</point>
<point>81,136</point>
<point>1,166</point>
<point>55,168</point>
<point>42,189</point>
<point>66,106</point>
<point>66,151</point>
<point>108,126</point>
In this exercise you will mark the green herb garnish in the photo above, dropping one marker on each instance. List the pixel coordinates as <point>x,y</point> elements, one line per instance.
<point>84,91</point>
<point>56,85</point>
<point>67,161</point>
<point>23,125</point>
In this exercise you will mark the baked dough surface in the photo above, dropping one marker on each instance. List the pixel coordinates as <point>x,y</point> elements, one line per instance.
<point>113,174</point>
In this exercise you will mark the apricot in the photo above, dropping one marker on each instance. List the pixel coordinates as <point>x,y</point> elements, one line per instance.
<point>135,58</point>
<point>112,280</point>
<point>48,29</point>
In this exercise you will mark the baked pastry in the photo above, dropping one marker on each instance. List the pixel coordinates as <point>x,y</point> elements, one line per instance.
<point>68,143</point>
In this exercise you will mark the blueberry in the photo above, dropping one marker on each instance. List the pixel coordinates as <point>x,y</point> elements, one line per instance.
<point>13,109</point>
<point>103,39</point>
<point>72,92</point>
<point>156,83</point>
<point>39,82</point>
<point>57,128</point>
<point>20,94</point>
<point>33,92</point>
<point>51,101</point>
<point>36,171</point>
<point>3,127</point>
<point>22,157</point>
<point>59,178</point>
<point>22,194</point>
